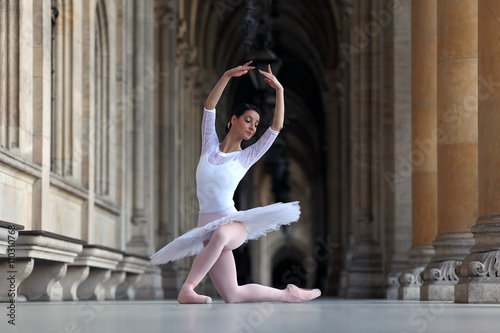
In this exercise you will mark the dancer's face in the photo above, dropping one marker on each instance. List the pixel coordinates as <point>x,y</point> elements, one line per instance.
<point>246,125</point>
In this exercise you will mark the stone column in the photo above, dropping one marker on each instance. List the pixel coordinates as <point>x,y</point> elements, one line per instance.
<point>479,273</point>
<point>41,110</point>
<point>365,274</point>
<point>142,118</point>
<point>397,138</point>
<point>166,110</point>
<point>457,145</point>
<point>424,145</point>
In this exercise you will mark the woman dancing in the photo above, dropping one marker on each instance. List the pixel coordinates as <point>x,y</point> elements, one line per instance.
<point>221,228</point>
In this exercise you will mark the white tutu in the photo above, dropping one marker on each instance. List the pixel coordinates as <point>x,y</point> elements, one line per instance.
<point>258,222</point>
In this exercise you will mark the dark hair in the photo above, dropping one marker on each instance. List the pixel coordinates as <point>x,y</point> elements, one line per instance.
<point>238,111</point>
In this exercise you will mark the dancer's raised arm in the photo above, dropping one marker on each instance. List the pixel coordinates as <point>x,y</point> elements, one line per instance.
<point>217,91</point>
<point>279,112</point>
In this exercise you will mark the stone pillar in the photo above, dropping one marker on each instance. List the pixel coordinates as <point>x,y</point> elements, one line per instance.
<point>397,138</point>
<point>424,145</point>
<point>143,213</point>
<point>457,145</point>
<point>479,273</point>
<point>41,110</point>
<point>365,274</point>
<point>166,113</point>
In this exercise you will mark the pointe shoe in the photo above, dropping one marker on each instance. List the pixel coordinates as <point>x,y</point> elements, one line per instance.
<point>188,296</point>
<point>303,294</point>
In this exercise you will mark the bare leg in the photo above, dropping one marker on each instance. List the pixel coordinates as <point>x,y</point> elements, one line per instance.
<point>227,237</point>
<point>223,275</point>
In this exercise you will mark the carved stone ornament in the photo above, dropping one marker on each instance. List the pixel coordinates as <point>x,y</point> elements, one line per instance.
<point>487,265</point>
<point>412,276</point>
<point>443,271</point>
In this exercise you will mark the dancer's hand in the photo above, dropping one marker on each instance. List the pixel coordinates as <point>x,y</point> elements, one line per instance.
<point>240,70</point>
<point>270,79</point>
<point>216,93</point>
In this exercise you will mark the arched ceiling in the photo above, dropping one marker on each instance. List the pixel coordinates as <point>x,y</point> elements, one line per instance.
<point>305,36</point>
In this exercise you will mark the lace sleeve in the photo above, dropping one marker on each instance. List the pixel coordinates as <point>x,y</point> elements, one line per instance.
<point>253,153</point>
<point>208,134</point>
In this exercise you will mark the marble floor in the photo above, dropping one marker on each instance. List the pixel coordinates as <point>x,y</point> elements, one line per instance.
<point>323,315</point>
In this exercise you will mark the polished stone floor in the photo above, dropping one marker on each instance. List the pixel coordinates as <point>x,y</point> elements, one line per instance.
<point>323,315</point>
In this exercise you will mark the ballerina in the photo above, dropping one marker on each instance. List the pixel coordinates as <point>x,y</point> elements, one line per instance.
<point>221,228</point>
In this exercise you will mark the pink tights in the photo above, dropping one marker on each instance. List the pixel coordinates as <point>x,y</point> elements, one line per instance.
<point>218,260</point>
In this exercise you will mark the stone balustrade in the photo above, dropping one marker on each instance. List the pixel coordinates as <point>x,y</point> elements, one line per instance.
<point>45,266</point>
<point>38,264</point>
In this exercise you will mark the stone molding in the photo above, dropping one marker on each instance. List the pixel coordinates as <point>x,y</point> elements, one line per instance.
<point>452,246</point>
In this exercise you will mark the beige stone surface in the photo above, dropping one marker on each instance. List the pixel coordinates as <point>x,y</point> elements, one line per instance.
<point>457,187</point>
<point>66,210</point>
<point>17,195</point>
<point>424,135</point>
<point>489,158</point>
<point>423,123</point>
<point>457,29</point>
<point>424,194</point>
<point>457,100</point>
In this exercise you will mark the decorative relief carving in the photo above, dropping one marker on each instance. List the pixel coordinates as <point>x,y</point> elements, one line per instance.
<point>486,265</point>
<point>443,271</point>
<point>412,277</point>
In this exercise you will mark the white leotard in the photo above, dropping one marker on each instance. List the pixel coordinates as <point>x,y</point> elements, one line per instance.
<point>218,173</point>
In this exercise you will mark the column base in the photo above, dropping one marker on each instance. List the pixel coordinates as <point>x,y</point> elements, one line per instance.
<point>398,263</point>
<point>480,272</point>
<point>478,290</point>
<point>440,276</point>
<point>365,275</point>
<point>410,282</point>
<point>411,279</point>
